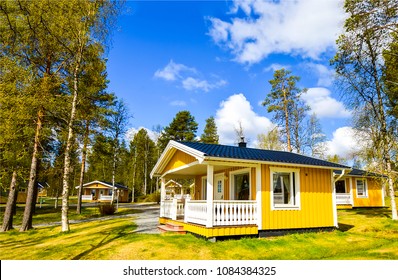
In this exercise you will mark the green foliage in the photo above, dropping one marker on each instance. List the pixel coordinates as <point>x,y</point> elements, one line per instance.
<point>289,110</point>
<point>210,135</point>
<point>106,209</point>
<point>182,128</point>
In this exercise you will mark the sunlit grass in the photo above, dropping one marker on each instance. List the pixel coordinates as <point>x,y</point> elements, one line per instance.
<point>363,234</point>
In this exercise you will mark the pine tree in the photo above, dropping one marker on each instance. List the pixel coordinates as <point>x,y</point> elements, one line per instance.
<point>210,135</point>
<point>182,128</point>
<point>284,100</point>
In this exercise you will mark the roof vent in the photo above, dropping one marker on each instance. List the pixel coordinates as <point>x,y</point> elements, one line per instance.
<point>242,143</point>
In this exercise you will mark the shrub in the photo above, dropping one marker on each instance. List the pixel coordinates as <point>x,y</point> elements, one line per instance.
<point>106,209</point>
<point>153,197</point>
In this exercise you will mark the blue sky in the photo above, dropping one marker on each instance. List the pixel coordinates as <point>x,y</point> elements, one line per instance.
<point>215,58</point>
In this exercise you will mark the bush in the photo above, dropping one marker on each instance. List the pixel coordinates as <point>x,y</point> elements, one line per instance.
<point>153,197</point>
<point>106,209</point>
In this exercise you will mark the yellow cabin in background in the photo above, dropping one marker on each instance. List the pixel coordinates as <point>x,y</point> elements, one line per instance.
<point>359,188</point>
<point>245,191</point>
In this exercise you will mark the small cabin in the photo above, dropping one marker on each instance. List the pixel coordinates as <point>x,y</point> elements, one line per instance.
<point>102,192</point>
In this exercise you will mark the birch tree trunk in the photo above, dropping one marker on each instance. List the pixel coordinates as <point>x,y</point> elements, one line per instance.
<point>12,198</point>
<point>65,179</point>
<point>83,167</point>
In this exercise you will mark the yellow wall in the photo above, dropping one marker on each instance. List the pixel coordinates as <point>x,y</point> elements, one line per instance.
<point>374,197</point>
<point>179,159</point>
<point>315,200</point>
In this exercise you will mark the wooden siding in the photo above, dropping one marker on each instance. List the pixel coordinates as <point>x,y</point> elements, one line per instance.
<point>374,197</point>
<point>316,204</point>
<point>178,159</point>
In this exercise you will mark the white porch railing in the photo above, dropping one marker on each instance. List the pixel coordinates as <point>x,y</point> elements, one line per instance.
<point>235,212</point>
<point>87,197</point>
<point>225,212</point>
<point>105,197</point>
<point>343,198</point>
<point>172,209</point>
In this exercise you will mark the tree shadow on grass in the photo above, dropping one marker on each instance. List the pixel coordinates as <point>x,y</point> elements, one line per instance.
<point>125,230</point>
<point>373,212</point>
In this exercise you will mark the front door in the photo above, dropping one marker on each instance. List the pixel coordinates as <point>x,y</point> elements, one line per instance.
<point>219,187</point>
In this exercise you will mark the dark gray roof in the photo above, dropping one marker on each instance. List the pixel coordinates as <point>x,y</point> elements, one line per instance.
<point>118,186</point>
<point>359,172</point>
<point>234,152</point>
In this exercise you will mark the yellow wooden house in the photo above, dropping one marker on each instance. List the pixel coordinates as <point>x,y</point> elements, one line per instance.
<point>245,191</point>
<point>359,188</point>
<point>102,192</point>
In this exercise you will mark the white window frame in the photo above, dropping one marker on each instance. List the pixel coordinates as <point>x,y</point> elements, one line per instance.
<point>365,186</point>
<point>232,182</point>
<point>204,188</point>
<point>296,171</point>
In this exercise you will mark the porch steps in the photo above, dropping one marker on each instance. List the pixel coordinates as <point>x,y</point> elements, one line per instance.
<point>172,227</point>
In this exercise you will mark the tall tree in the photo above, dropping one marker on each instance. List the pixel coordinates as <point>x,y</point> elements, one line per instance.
<point>359,65</point>
<point>144,158</point>
<point>117,127</point>
<point>270,140</point>
<point>282,100</point>
<point>315,137</point>
<point>93,105</point>
<point>210,135</point>
<point>182,128</point>
<point>27,35</point>
<point>16,131</point>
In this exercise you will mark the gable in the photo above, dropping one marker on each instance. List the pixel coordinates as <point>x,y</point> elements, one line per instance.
<point>179,159</point>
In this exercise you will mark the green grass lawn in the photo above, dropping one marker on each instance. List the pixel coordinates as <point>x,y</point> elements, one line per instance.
<point>363,234</point>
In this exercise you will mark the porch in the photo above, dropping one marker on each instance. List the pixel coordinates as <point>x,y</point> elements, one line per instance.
<point>211,219</point>
<point>344,200</point>
<point>102,198</point>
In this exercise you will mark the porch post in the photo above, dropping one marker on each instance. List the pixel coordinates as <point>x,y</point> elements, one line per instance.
<point>162,189</point>
<point>258,197</point>
<point>162,195</point>
<point>351,193</point>
<point>209,195</point>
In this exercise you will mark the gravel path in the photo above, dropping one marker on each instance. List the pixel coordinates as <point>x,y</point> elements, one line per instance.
<point>146,221</point>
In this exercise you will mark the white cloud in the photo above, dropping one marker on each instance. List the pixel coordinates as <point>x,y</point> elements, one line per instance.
<point>186,77</point>
<point>133,131</point>
<point>179,103</point>
<point>172,71</point>
<point>325,75</point>
<point>306,28</point>
<point>276,66</point>
<point>193,84</point>
<point>323,105</point>
<point>344,142</point>
<point>237,109</point>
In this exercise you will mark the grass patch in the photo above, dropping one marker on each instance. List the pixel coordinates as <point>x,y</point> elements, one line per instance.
<point>363,234</point>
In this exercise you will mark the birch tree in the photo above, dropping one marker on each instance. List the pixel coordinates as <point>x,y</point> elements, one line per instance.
<point>359,66</point>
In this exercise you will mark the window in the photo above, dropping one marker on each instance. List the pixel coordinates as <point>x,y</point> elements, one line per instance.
<point>219,185</point>
<point>204,187</point>
<point>362,188</point>
<point>240,184</point>
<point>340,186</point>
<point>285,192</point>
